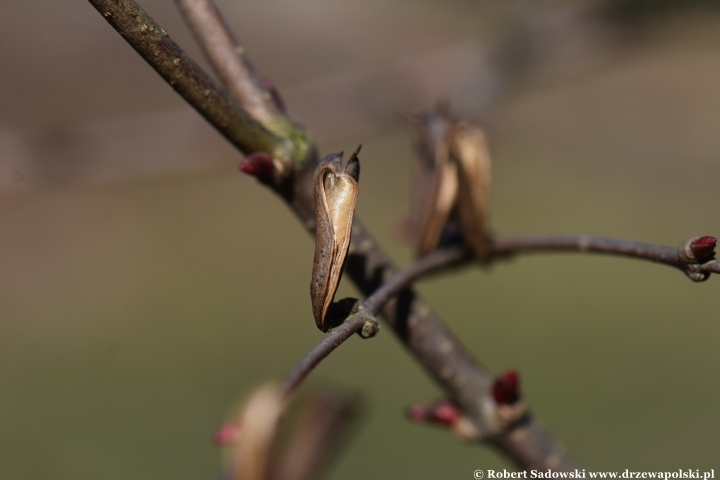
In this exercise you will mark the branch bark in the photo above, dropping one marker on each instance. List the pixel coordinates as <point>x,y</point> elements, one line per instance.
<point>366,311</point>
<point>228,58</point>
<point>673,256</point>
<point>156,47</point>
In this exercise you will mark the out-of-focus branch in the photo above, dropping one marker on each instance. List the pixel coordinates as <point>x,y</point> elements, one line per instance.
<point>366,311</point>
<point>228,58</point>
<point>156,47</point>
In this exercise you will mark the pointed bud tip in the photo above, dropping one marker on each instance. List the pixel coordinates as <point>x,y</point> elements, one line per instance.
<point>446,413</point>
<point>417,412</point>
<point>704,248</point>
<point>506,388</point>
<point>249,168</point>
<point>259,165</point>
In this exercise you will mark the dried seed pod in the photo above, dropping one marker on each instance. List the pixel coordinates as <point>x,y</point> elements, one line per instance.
<point>437,184</point>
<point>469,149</point>
<point>336,191</point>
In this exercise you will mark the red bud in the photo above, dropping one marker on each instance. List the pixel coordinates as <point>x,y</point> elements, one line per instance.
<point>442,413</point>
<point>506,388</point>
<point>446,413</point>
<point>259,165</point>
<point>704,248</point>
<point>417,413</point>
<point>227,434</point>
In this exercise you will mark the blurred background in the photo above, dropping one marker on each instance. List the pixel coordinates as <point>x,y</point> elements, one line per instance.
<point>146,286</point>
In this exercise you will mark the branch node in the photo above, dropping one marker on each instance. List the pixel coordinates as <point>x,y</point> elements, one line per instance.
<point>511,406</point>
<point>369,328</point>
<point>694,252</point>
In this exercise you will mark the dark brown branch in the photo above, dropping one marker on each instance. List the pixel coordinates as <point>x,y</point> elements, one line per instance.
<point>366,311</point>
<point>175,67</point>
<point>228,58</point>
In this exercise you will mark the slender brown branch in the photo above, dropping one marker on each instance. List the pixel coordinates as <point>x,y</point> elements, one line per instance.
<point>154,45</point>
<point>366,311</point>
<point>228,58</point>
<point>673,256</point>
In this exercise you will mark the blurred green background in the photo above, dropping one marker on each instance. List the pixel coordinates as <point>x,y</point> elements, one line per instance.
<point>146,285</point>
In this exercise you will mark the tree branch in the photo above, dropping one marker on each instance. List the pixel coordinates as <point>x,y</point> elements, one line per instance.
<point>156,47</point>
<point>228,58</point>
<point>424,334</point>
<point>677,257</point>
<point>366,311</point>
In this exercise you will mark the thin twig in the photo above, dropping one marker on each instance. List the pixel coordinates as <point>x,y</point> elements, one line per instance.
<point>228,58</point>
<point>156,47</point>
<point>673,256</point>
<point>366,311</point>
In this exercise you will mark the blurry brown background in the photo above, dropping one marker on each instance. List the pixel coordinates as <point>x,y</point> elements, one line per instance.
<point>146,285</point>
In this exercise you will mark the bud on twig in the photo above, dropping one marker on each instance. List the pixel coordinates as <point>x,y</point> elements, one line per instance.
<point>228,434</point>
<point>703,248</point>
<point>262,166</point>
<point>444,414</point>
<point>336,192</point>
<point>695,251</point>
<point>506,391</point>
<point>506,388</point>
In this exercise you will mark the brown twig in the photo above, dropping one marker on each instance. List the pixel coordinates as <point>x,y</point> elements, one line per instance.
<point>156,47</point>
<point>499,247</point>
<point>673,256</point>
<point>228,58</point>
<point>366,311</point>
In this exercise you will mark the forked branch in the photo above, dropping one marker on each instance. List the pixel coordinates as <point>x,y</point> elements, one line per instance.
<point>366,311</point>
<point>228,58</point>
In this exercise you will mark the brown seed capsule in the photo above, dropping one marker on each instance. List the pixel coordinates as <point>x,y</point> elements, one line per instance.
<point>469,150</point>
<point>336,192</point>
<point>437,183</point>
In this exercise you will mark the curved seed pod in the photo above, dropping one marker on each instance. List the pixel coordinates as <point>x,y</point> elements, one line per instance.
<point>336,192</point>
<point>437,185</point>
<point>469,149</point>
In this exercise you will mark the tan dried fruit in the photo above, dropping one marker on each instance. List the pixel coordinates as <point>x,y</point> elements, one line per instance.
<point>336,192</point>
<point>469,149</point>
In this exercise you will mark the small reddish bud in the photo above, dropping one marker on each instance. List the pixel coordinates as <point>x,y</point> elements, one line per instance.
<point>259,165</point>
<point>703,248</point>
<point>446,413</point>
<point>506,390</point>
<point>226,435</point>
<point>417,413</point>
<point>274,94</point>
